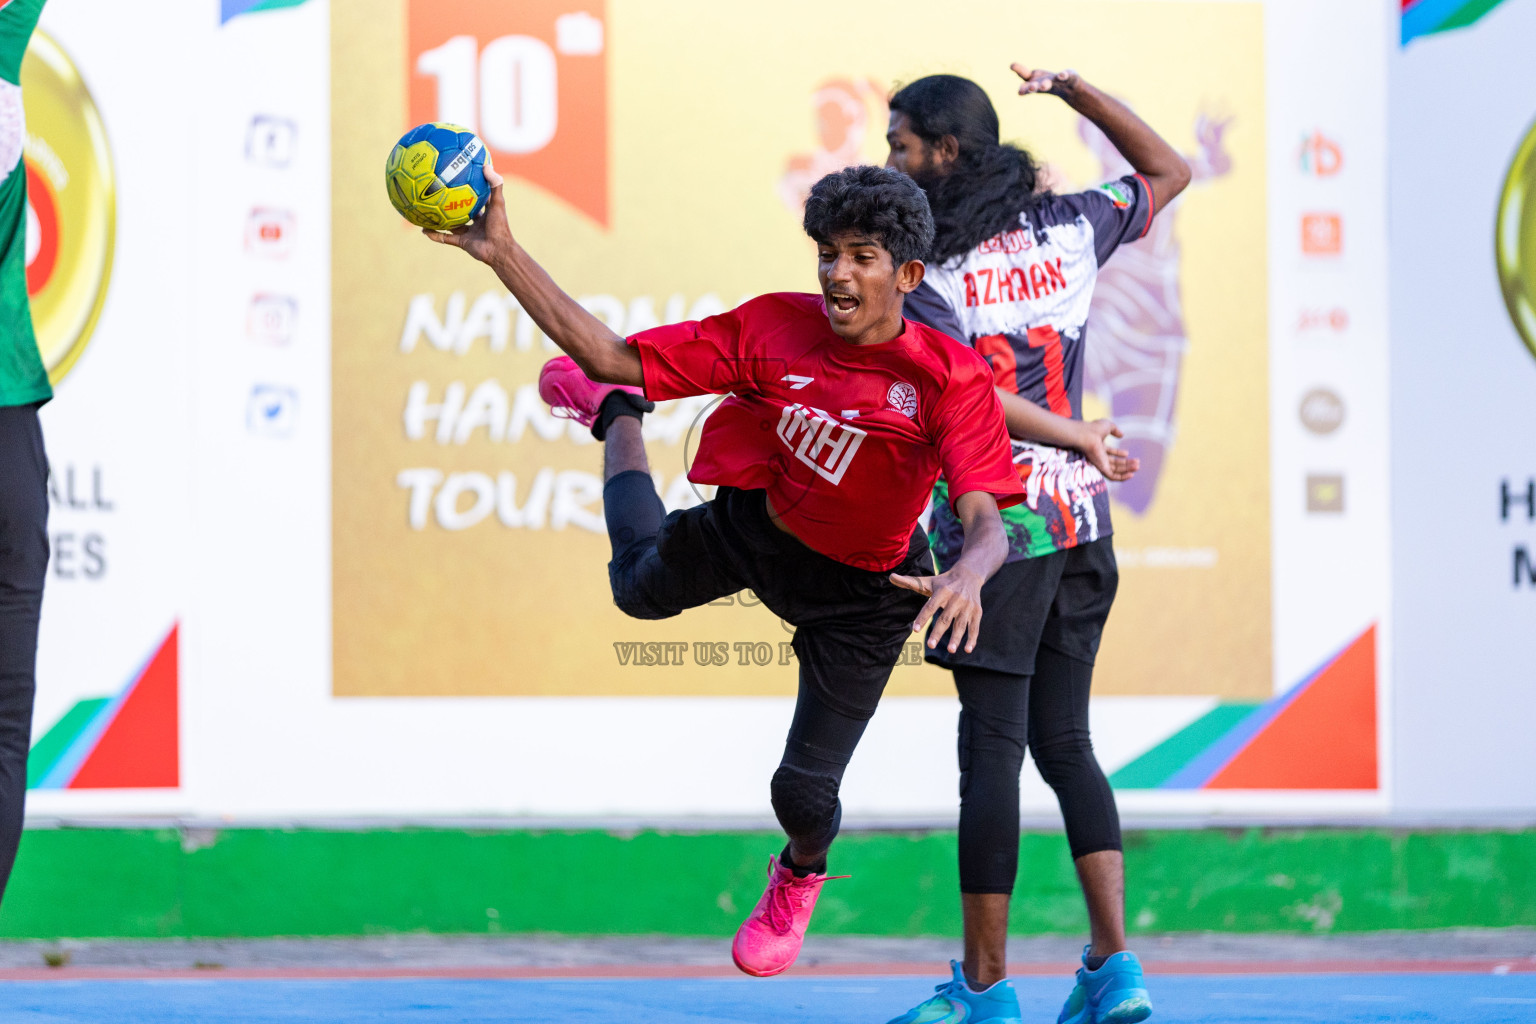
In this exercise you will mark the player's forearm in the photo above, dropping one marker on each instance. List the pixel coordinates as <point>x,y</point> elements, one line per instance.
<point>986,542</point>
<point>1165,170</point>
<point>601,354</point>
<point>1028,422</point>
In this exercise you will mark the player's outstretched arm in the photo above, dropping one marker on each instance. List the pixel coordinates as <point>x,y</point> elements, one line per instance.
<point>956,595</point>
<point>1028,422</point>
<point>601,354</point>
<point>1165,170</point>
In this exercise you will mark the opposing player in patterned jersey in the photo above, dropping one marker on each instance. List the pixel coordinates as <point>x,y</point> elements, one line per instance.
<point>24,388</point>
<point>840,418</point>
<point>1011,273</point>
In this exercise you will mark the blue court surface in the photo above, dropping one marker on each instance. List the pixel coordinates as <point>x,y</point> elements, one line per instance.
<point>1228,999</point>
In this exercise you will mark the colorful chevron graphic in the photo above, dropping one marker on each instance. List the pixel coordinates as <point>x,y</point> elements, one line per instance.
<point>1319,734</point>
<point>1426,17</point>
<point>129,741</point>
<point>233,8</point>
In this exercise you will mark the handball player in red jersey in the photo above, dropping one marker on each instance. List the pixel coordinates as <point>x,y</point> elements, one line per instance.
<point>840,416</point>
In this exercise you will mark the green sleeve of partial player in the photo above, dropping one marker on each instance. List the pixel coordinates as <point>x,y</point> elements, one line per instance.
<point>23,380</point>
<point>17,20</point>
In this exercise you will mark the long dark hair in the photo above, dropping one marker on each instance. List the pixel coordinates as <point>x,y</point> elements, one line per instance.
<point>988,185</point>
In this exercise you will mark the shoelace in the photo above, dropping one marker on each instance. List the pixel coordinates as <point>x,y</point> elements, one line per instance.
<point>946,991</point>
<point>562,408</point>
<point>784,898</point>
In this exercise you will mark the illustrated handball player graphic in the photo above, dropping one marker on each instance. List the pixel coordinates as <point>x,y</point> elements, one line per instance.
<point>840,417</point>
<point>1012,273</point>
<point>843,124</point>
<point>1139,339</point>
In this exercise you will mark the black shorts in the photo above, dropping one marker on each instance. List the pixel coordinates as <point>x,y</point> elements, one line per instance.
<point>1060,600</point>
<point>850,624</point>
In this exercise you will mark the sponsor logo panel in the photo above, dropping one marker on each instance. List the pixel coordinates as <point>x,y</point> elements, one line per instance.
<point>271,319</point>
<point>270,141</point>
<point>1322,234</point>
<point>1319,156</point>
<point>272,410</point>
<point>269,233</point>
<point>1325,492</point>
<point>1321,411</point>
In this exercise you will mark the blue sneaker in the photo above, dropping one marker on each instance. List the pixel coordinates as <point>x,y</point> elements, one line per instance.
<point>956,1002</point>
<point>1116,993</point>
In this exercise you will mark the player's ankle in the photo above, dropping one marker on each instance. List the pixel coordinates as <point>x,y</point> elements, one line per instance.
<point>819,867</point>
<point>617,404</point>
<point>982,972</point>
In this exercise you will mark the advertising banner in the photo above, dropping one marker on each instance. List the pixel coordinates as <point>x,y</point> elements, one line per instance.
<point>336,558</point>
<point>109,278</point>
<point>469,543</point>
<point>1463,373</point>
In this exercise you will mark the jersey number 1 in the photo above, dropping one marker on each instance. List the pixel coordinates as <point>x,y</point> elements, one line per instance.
<point>998,351</point>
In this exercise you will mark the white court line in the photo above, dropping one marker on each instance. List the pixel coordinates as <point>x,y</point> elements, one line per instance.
<point>846,990</point>
<point>1373,999</point>
<point>1505,1000</point>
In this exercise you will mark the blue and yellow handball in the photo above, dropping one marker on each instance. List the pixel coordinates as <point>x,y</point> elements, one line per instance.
<point>435,176</point>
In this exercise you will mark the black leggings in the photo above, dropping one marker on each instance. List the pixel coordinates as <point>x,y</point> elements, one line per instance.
<point>999,714</point>
<point>23,567</point>
<point>850,624</point>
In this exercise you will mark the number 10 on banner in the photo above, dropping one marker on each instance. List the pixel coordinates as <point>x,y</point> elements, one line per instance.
<point>516,75</point>
<point>512,103</point>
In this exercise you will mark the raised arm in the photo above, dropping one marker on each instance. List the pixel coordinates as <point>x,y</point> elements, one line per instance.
<point>1165,170</point>
<point>601,354</point>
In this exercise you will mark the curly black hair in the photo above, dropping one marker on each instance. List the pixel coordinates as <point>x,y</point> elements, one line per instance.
<point>989,184</point>
<point>883,203</point>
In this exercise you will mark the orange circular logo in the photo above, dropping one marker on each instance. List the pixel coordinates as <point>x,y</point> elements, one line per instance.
<point>71,205</point>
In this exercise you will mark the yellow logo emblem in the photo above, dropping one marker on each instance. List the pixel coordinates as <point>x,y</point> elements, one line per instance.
<point>71,205</point>
<point>1515,240</point>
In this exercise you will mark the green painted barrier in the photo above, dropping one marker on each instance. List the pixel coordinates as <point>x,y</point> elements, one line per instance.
<point>253,882</point>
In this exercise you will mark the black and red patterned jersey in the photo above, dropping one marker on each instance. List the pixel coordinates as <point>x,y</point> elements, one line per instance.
<point>1021,300</point>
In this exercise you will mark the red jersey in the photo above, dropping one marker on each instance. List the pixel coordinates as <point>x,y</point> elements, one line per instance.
<point>846,439</point>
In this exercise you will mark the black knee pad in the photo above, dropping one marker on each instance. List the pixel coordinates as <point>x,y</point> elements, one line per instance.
<point>637,607</point>
<point>805,802</point>
<point>1061,764</point>
<point>627,596</point>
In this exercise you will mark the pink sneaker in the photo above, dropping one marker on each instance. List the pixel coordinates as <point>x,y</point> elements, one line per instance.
<point>571,394</point>
<point>769,939</point>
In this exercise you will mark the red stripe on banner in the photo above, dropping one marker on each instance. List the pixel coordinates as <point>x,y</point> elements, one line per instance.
<point>139,749</point>
<point>1324,739</point>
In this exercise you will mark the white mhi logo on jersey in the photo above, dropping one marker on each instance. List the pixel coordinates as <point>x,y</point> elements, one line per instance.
<point>820,440</point>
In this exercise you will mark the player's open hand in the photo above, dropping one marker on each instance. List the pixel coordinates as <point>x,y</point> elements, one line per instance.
<point>1061,83</point>
<point>486,234</point>
<point>1114,463</point>
<point>955,596</point>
